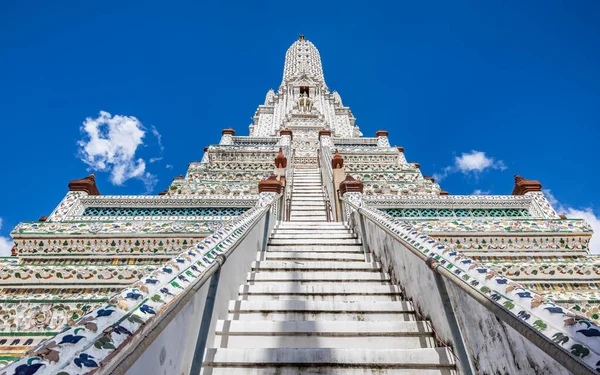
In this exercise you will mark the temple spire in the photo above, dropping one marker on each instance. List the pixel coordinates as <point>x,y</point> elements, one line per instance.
<point>302,60</point>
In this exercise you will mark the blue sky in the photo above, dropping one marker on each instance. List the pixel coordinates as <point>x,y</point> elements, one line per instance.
<point>474,91</point>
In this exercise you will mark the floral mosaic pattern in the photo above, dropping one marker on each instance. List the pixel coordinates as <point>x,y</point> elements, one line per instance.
<point>503,242</point>
<point>66,205</point>
<point>17,274</point>
<point>131,246</point>
<point>78,294</point>
<point>503,225</point>
<point>565,328</point>
<point>37,316</point>
<point>556,270</point>
<point>113,227</point>
<point>544,205</point>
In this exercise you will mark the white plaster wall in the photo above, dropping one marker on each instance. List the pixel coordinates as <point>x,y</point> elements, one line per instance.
<point>494,347</point>
<point>172,351</point>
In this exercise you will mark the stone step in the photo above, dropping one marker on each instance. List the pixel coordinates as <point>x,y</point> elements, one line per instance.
<point>297,255</point>
<point>307,265</point>
<point>361,307</point>
<point>315,230</point>
<point>315,198</point>
<point>300,208</point>
<point>308,370</point>
<point>351,359</point>
<point>309,203</point>
<point>317,276</point>
<point>316,248</point>
<point>313,235</point>
<point>305,218</point>
<point>307,213</point>
<point>322,297</point>
<point>307,208</point>
<point>323,334</point>
<point>321,241</point>
<point>310,215</point>
<point>325,224</point>
<point>297,290</point>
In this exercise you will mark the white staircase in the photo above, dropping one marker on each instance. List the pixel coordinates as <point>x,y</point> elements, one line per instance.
<point>314,304</point>
<point>307,196</point>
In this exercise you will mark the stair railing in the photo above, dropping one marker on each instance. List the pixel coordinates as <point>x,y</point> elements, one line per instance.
<point>324,162</point>
<point>289,182</point>
<point>327,203</point>
<point>399,245</point>
<point>144,314</point>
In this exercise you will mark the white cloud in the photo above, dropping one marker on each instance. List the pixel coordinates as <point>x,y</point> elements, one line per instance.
<point>158,138</point>
<point>110,145</point>
<point>154,160</point>
<point>586,214</point>
<point>477,161</point>
<point>480,192</point>
<point>6,244</point>
<point>473,162</point>
<point>169,166</point>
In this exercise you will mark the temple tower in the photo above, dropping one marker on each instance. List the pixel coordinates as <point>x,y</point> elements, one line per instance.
<point>301,248</point>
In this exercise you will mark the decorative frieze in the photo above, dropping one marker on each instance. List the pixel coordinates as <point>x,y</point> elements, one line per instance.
<point>504,225</point>
<point>76,246</point>
<point>130,228</point>
<point>54,275</point>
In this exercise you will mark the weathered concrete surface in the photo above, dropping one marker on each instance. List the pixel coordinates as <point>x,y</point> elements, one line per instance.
<point>493,347</point>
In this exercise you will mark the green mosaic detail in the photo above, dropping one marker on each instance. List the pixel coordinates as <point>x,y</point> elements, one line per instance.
<point>164,211</point>
<point>457,212</point>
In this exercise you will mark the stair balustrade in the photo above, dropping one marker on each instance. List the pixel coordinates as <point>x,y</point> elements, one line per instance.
<point>161,323</point>
<point>494,324</point>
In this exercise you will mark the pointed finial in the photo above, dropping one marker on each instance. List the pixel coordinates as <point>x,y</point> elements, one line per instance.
<point>301,36</point>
